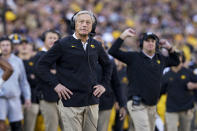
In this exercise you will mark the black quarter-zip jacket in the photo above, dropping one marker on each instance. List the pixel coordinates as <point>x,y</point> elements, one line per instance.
<point>46,91</point>
<point>29,68</point>
<point>174,84</point>
<point>76,69</point>
<point>144,74</point>
<point>113,92</point>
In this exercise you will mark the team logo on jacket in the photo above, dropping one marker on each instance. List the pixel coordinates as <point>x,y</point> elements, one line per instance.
<point>158,61</point>
<point>183,77</point>
<point>171,78</point>
<point>31,63</point>
<point>92,46</point>
<point>125,80</point>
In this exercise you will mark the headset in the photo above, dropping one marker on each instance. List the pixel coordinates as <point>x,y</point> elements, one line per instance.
<point>72,23</point>
<point>146,35</point>
<point>43,36</point>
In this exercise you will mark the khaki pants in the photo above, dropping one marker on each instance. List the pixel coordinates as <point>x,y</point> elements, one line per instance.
<point>30,116</point>
<point>79,118</point>
<point>184,119</point>
<point>103,120</point>
<point>51,115</point>
<point>143,116</point>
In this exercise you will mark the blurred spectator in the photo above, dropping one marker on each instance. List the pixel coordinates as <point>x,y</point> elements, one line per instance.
<point>48,102</point>
<point>26,53</point>
<point>114,91</point>
<point>178,84</point>
<point>166,18</point>
<point>12,89</point>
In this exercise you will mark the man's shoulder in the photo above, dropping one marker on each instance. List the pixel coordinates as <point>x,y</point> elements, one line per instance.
<point>16,59</point>
<point>94,43</point>
<point>66,40</point>
<point>13,56</point>
<point>38,55</point>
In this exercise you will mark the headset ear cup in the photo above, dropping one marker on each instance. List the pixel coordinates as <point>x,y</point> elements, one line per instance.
<point>141,43</point>
<point>141,40</point>
<point>157,44</point>
<point>43,36</point>
<point>94,25</point>
<point>72,23</point>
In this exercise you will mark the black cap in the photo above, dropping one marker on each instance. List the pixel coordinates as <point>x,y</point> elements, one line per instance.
<point>148,35</point>
<point>5,37</point>
<point>24,40</point>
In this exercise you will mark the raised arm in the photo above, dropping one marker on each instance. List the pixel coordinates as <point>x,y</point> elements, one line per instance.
<point>172,59</point>
<point>115,49</point>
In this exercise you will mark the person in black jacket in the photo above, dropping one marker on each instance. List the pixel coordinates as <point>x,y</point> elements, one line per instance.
<point>26,53</point>
<point>76,84</point>
<point>193,67</point>
<point>178,84</point>
<point>144,71</point>
<point>48,97</point>
<point>114,91</point>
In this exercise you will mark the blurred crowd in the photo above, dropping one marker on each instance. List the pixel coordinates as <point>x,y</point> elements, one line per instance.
<point>175,20</point>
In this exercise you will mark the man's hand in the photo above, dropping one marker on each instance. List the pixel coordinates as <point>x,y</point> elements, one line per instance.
<point>165,44</point>
<point>99,90</point>
<point>27,104</point>
<point>53,71</point>
<point>128,33</point>
<point>191,85</point>
<point>62,91</point>
<point>116,105</point>
<point>122,113</point>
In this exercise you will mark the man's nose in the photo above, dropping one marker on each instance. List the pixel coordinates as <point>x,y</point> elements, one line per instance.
<point>84,24</point>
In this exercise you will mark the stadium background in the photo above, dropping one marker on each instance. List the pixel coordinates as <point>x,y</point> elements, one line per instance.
<point>175,20</point>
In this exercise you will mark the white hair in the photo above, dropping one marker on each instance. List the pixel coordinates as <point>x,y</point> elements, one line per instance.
<point>85,12</point>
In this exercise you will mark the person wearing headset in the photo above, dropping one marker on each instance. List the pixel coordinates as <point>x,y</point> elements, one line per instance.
<point>144,70</point>
<point>77,57</point>
<point>114,92</point>
<point>48,97</point>
<point>179,83</point>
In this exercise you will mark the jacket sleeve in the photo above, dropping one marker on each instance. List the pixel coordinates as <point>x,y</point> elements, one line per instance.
<point>117,53</point>
<point>46,61</point>
<point>193,77</point>
<point>116,87</point>
<point>172,59</point>
<point>24,85</point>
<point>105,63</point>
<point>164,84</point>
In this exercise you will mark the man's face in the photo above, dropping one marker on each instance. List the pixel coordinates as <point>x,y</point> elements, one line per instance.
<point>50,39</point>
<point>25,48</point>
<point>149,45</point>
<point>83,24</point>
<point>5,47</point>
